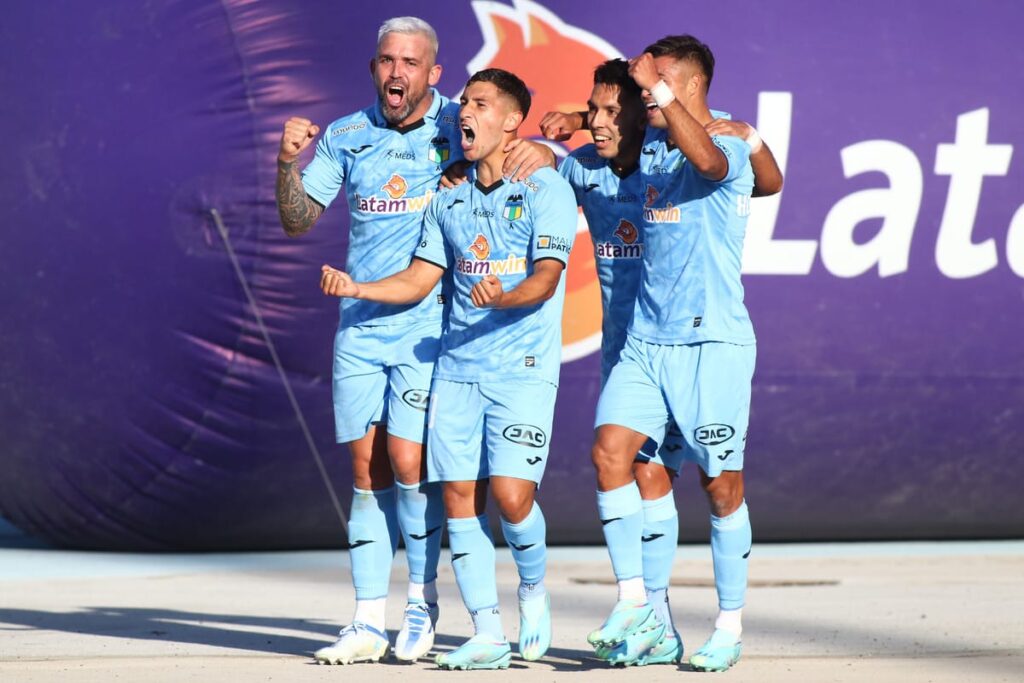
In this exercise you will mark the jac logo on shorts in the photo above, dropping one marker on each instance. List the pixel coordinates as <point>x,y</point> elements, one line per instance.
<point>525,435</point>
<point>417,398</point>
<point>713,434</point>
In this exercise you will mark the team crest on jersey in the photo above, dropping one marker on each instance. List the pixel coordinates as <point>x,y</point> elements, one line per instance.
<point>513,207</point>
<point>480,248</point>
<point>440,150</point>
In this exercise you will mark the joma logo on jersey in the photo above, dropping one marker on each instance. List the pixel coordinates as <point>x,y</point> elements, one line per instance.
<point>713,434</point>
<point>526,435</point>
<point>395,201</point>
<point>670,214</point>
<point>440,150</point>
<point>513,207</point>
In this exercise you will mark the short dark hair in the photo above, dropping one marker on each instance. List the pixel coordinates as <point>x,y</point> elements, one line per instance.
<point>686,47</point>
<point>616,72</point>
<point>507,83</point>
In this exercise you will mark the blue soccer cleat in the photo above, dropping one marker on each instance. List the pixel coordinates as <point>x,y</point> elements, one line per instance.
<point>718,654</point>
<point>639,649</point>
<point>534,627</point>
<point>479,652</point>
<point>628,617</point>
<point>417,634</point>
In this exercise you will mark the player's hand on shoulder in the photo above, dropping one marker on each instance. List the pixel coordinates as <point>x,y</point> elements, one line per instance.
<point>337,283</point>
<point>560,126</point>
<point>487,292</point>
<point>644,71</point>
<point>736,129</point>
<point>298,134</point>
<point>525,158</point>
<point>455,174</point>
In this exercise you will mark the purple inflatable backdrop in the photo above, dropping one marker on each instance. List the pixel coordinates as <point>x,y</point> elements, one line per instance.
<point>141,407</point>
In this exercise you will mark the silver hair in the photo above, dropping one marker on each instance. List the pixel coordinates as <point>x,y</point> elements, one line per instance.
<point>408,26</point>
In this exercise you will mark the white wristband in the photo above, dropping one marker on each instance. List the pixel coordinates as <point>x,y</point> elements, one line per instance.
<point>754,140</point>
<point>662,94</point>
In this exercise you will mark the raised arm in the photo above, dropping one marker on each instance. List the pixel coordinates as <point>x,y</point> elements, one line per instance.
<point>536,289</point>
<point>767,174</point>
<point>684,130</point>
<point>298,212</point>
<point>405,287</point>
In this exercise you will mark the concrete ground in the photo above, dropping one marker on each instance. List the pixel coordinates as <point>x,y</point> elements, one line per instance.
<point>849,612</point>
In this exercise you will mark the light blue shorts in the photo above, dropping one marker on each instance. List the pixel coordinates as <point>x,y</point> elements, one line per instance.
<point>669,453</point>
<point>382,376</point>
<point>480,430</point>
<point>704,387</point>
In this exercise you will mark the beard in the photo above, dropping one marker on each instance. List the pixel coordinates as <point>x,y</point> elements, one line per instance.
<point>395,115</point>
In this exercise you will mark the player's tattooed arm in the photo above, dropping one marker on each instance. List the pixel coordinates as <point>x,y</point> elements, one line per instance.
<point>536,289</point>
<point>298,212</point>
<point>767,174</point>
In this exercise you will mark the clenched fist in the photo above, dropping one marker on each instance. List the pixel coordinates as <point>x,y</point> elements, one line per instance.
<point>560,126</point>
<point>336,283</point>
<point>298,134</point>
<point>487,292</point>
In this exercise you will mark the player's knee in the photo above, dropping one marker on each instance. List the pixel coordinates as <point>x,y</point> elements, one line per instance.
<point>514,504</point>
<point>607,458</point>
<point>654,481</point>
<point>725,493</point>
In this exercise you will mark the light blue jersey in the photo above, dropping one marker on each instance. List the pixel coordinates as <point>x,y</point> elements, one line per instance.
<point>390,177</point>
<point>500,230</point>
<point>693,231</point>
<point>613,206</point>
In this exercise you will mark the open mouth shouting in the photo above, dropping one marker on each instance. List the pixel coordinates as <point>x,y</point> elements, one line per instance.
<point>468,136</point>
<point>394,95</point>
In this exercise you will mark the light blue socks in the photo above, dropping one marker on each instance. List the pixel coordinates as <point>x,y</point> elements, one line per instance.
<point>421,518</point>
<point>473,560</point>
<point>622,521</point>
<point>527,541</point>
<point>660,537</point>
<point>730,547</point>
<point>373,539</point>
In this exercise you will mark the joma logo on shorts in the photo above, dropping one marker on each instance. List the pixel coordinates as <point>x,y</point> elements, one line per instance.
<point>526,435</point>
<point>713,434</point>
<point>417,398</point>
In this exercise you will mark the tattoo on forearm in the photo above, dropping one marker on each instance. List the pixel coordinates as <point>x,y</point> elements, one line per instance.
<point>298,211</point>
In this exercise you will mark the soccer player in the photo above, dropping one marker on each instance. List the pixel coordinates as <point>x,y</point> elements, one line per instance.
<point>389,158</point>
<point>492,401</point>
<point>607,179</point>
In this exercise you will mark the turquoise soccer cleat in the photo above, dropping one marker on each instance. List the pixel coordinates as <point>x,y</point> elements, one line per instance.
<point>639,649</point>
<point>628,617</point>
<point>534,627</point>
<point>718,654</point>
<point>479,652</point>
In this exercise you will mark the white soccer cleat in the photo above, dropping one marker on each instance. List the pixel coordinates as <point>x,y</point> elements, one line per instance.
<point>356,642</point>
<point>417,634</point>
